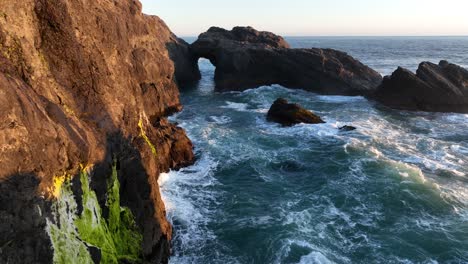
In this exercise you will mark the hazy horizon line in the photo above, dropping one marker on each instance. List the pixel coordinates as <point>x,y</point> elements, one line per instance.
<point>347,36</point>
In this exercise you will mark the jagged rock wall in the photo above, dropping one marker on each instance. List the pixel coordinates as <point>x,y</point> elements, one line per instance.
<point>85,83</point>
<point>433,88</point>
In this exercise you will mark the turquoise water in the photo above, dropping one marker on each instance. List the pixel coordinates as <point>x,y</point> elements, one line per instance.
<point>393,191</point>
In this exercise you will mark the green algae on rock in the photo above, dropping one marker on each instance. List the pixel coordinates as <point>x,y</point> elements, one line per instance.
<point>72,234</point>
<point>68,248</point>
<point>145,137</point>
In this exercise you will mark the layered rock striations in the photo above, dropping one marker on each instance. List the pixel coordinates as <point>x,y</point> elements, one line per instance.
<point>246,58</point>
<point>85,89</point>
<point>434,88</point>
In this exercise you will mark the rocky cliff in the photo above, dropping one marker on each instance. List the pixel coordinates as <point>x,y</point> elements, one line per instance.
<point>85,89</point>
<point>247,58</point>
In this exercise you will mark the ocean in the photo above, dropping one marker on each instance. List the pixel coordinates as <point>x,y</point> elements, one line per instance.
<point>393,191</point>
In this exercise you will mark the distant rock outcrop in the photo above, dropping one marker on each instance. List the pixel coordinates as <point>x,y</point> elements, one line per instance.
<point>434,88</point>
<point>246,58</point>
<point>290,114</point>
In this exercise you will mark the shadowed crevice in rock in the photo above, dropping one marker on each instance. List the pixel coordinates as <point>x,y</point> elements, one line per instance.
<point>185,62</point>
<point>23,213</point>
<point>23,210</point>
<point>246,58</point>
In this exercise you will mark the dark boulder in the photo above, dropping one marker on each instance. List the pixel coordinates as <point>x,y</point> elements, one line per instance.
<point>347,128</point>
<point>434,88</point>
<point>290,114</point>
<point>246,58</point>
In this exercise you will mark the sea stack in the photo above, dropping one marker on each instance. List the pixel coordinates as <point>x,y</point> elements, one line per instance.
<point>246,58</point>
<point>434,88</point>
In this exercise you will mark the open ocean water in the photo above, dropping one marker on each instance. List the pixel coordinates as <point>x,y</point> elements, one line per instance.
<point>393,191</point>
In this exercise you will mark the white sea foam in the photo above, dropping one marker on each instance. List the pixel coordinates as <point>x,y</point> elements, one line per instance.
<point>241,107</point>
<point>188,195</point>
<point>340,99</point>
<point>456,118</point>
<point>302,130</point>
<point>263,89</point>
<point>221,120</point>
<point>459,149</point>
<point>274,89</point>
<point>424,151</point>
<point>317,255</point>
<point>261,110</point>
<point>315,258</point>
<point>409,148</point>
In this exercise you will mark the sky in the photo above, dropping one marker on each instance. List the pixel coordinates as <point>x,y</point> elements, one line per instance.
<point>316,17</point>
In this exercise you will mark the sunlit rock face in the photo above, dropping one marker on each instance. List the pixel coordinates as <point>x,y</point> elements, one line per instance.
<point>86,84</point>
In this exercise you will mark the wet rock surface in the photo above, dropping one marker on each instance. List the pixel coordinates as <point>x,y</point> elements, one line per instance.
<point>287,114</point>
<point>246,58</point>
<point>434,88</point>
<point>347,128</point>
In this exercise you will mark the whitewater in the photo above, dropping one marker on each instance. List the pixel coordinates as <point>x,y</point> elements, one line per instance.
<point>393,191</point>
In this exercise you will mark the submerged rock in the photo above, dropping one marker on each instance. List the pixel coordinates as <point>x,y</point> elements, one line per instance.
<point>347,128</point>
<point>246,58</point>
<point>290,114</point>
<point>434,88</point>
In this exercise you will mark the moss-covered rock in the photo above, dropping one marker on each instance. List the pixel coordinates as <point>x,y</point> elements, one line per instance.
<point>73,235</point>
<point>145,137</point>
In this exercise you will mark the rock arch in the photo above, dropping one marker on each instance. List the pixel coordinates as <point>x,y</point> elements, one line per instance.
<point>246,58</point>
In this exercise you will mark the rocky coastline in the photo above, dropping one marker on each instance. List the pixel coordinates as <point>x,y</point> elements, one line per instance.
<point>246,58</point>
<point>86,90</point>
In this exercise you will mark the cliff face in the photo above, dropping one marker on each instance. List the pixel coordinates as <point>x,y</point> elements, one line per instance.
<point>85,89</point>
